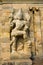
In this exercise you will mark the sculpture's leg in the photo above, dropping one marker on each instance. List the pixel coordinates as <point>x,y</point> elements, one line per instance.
<point>14,45</point>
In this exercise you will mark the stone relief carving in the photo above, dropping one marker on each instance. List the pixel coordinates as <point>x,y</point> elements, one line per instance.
<point>26,36</point>
<point>23,32</point>
<point>20,31</point>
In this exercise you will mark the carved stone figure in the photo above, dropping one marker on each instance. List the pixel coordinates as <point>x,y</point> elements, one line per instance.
<point>17,31</point>
<point>21,28</point>
<point>25,27</point>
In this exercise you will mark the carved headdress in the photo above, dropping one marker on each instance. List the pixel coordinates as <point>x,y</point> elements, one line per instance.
<point>19,14</point>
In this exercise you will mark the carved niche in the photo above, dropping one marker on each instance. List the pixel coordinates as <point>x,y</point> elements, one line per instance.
<point>24,30</point>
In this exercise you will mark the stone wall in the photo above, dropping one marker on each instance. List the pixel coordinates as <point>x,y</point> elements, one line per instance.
<point>29,40</point>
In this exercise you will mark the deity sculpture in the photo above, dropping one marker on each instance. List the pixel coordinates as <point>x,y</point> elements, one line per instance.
<point>20,28</point>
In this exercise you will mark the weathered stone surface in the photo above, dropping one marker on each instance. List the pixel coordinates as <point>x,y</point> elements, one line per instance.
<point>20,32</point>
<point>38,61</point>
<point>23,63</point>
<point>8,63</point>
<point>29,38</point>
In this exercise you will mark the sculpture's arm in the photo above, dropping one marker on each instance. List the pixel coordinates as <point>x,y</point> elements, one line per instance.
<point>17,32</point>
<point>13,39</point>
<point>25,28</point>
